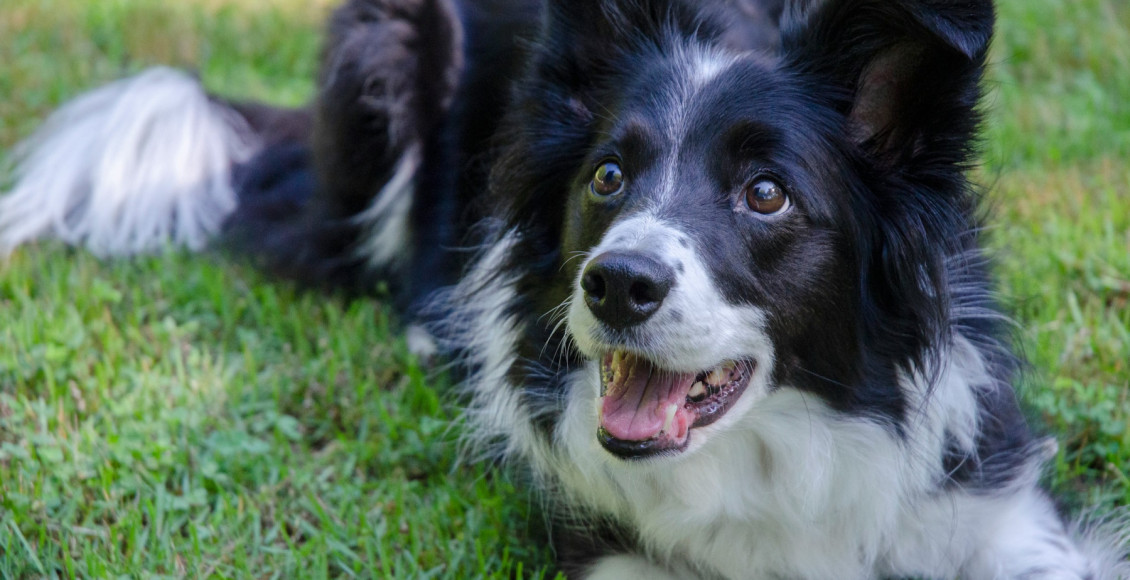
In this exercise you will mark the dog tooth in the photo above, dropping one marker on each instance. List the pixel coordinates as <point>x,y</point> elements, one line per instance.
<point>669,421</point>
<point>614,367</point>
<point>697,390</point>
<point>718,376</point>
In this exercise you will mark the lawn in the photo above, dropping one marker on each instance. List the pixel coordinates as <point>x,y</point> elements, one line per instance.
<point>185,416</point>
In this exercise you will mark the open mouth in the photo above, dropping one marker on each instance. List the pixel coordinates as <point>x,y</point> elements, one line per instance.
<point>647,411</point>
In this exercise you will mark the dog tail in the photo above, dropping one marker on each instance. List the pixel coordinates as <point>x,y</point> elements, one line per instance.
<point>136,166</point>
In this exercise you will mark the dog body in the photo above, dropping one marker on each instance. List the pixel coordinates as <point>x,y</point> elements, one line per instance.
<point>861,423</point>
<point>728,303</point>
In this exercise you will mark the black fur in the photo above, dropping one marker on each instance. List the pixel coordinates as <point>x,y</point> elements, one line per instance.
<point>426,73</point>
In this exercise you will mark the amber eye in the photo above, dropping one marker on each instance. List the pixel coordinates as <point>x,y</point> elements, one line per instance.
<point>767,197</point>
<point>608,180</point>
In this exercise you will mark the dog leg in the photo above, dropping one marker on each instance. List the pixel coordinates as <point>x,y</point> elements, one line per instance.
<point>389,72</point>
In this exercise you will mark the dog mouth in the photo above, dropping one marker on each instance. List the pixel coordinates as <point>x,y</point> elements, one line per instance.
<point>646,411</point>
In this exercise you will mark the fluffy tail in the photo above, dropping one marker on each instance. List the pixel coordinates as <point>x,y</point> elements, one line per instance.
<point>132,167</point>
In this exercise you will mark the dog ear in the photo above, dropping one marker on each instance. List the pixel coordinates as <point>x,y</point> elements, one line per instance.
<point>905,75</point>
<point>907,72</point>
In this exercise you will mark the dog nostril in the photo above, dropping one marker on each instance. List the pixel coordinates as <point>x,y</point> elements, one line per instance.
<point>593,285</point>
<point>643,293</point>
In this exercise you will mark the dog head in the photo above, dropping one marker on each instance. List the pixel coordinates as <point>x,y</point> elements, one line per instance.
<point>703,221</point>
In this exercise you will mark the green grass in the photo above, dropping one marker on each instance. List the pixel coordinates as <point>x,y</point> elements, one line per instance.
<point>1057,153</point>
<point>179,416</point>
<point>183,416</point>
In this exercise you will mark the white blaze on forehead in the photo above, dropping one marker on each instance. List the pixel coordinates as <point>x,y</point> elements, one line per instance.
<point>699,66</point>
<point>709,65</point>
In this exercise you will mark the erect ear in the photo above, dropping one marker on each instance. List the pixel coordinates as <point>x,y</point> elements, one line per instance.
<point>907,71</point>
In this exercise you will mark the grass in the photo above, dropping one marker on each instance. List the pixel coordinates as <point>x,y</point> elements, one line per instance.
<point>1057,147</point>
<point>174,416</point>
<point>180,416</point>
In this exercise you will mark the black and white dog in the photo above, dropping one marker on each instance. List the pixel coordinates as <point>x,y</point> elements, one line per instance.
<point>726,300</point>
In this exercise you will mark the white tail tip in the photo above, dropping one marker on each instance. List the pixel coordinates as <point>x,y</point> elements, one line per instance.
<point>132,167</point>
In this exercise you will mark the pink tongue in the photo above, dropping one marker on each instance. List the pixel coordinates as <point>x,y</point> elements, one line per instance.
<point>637,398</point>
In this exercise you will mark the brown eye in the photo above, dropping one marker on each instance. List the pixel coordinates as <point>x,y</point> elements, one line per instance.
<point>608,180</point>
<point>767,197</point>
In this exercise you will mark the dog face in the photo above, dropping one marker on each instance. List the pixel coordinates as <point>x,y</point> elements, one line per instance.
<point>708,238</point>
<point>713,223</point>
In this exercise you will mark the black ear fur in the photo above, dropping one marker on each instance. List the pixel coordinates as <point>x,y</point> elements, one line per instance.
<point>905,76</point>
<point>908,71</point>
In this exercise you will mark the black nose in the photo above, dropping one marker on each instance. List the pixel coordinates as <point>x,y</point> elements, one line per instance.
<point>625,288</point>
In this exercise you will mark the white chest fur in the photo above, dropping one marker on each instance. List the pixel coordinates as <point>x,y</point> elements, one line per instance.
<point>794,489</point>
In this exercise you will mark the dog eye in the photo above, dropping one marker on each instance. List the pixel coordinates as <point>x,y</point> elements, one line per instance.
<point>608,180</point>
<point>767,197</point>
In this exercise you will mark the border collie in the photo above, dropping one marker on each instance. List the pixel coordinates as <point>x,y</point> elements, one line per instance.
<point>713,267</point>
